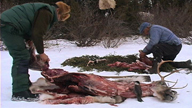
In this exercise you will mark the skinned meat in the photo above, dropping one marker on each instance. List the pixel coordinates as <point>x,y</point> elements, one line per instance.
<point>62,87</point>
<point>94,85</point>
<point>133,66</point>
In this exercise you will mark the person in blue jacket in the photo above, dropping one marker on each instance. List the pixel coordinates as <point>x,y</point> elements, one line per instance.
<point>163,44</point>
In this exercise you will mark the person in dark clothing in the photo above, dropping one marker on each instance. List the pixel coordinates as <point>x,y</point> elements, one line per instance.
<point>28,21</point>
<point>163,44</point>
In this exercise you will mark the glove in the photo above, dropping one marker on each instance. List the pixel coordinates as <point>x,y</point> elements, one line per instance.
<point>142,54</point>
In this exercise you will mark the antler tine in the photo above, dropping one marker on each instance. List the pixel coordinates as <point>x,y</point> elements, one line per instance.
<point>158,69</point>
<point>180,87</point>
<point>174,84</point>
<point>171,73</point>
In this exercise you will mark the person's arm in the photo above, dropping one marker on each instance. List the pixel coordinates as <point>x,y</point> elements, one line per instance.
<point>155,35</point>
<point>41,24</point>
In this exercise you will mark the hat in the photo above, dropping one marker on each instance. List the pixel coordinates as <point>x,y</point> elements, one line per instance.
<point>64,10</point>
<point>143,26</point>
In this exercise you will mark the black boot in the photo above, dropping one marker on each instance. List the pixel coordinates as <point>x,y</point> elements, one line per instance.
<point>154,68</point>
<point>24,96</point>
<point>187,64</point>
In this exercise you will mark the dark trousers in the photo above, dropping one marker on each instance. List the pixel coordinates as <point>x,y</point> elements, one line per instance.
<point>165,51</point>
<point>17,49</point>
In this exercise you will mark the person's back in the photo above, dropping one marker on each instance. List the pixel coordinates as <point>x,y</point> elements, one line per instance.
<point>22,16</point>
<point>163,44</point>
<point>164,35</point>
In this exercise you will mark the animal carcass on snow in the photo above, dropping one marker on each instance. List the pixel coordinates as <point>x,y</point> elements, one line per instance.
<point>62,87</point>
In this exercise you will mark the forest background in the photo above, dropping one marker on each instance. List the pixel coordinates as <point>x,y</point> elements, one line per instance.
<point>88,25</point>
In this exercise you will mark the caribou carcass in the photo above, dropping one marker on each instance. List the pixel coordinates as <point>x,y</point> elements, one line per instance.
<point>62,87</point>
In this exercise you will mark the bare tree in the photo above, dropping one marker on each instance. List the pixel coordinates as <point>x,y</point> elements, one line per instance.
<point>176,19</point>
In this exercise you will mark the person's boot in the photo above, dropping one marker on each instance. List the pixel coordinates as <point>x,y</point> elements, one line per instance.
<point>186,64</point>
<point>24,96</point>
<point>153,70</point>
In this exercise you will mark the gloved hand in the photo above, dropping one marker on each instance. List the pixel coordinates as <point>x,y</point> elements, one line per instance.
<point>142,54</point>
<point>144,58</point>
<point>44,58</point>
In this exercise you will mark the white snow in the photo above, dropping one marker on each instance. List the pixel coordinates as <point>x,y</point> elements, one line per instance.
<point>65,50</point>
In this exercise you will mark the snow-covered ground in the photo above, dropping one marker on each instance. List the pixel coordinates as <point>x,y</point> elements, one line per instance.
<point>66,50</point>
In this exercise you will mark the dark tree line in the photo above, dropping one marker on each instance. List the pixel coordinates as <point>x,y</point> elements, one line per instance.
<point>124,19</point>
<point>146,4</point>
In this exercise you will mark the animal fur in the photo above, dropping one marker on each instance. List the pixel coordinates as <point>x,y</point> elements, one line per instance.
<point>42,84</point>
<point>107,4</point>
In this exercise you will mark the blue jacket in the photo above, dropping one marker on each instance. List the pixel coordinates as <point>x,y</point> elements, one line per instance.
<point>159,34</point>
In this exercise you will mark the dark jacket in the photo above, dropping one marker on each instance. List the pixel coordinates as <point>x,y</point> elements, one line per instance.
<point>31,20</point>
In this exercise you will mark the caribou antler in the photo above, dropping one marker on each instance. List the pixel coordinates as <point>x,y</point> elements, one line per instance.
<point>163,77</point>
<point>178,87</point>
<point>158,70</point>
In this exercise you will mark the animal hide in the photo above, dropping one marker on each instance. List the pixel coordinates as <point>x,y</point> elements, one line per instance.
<point>107,4</point>
<point>62,87</point>
<point>35,63</point>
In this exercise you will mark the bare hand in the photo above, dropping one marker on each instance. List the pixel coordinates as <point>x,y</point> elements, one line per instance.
<point>44,57</point>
